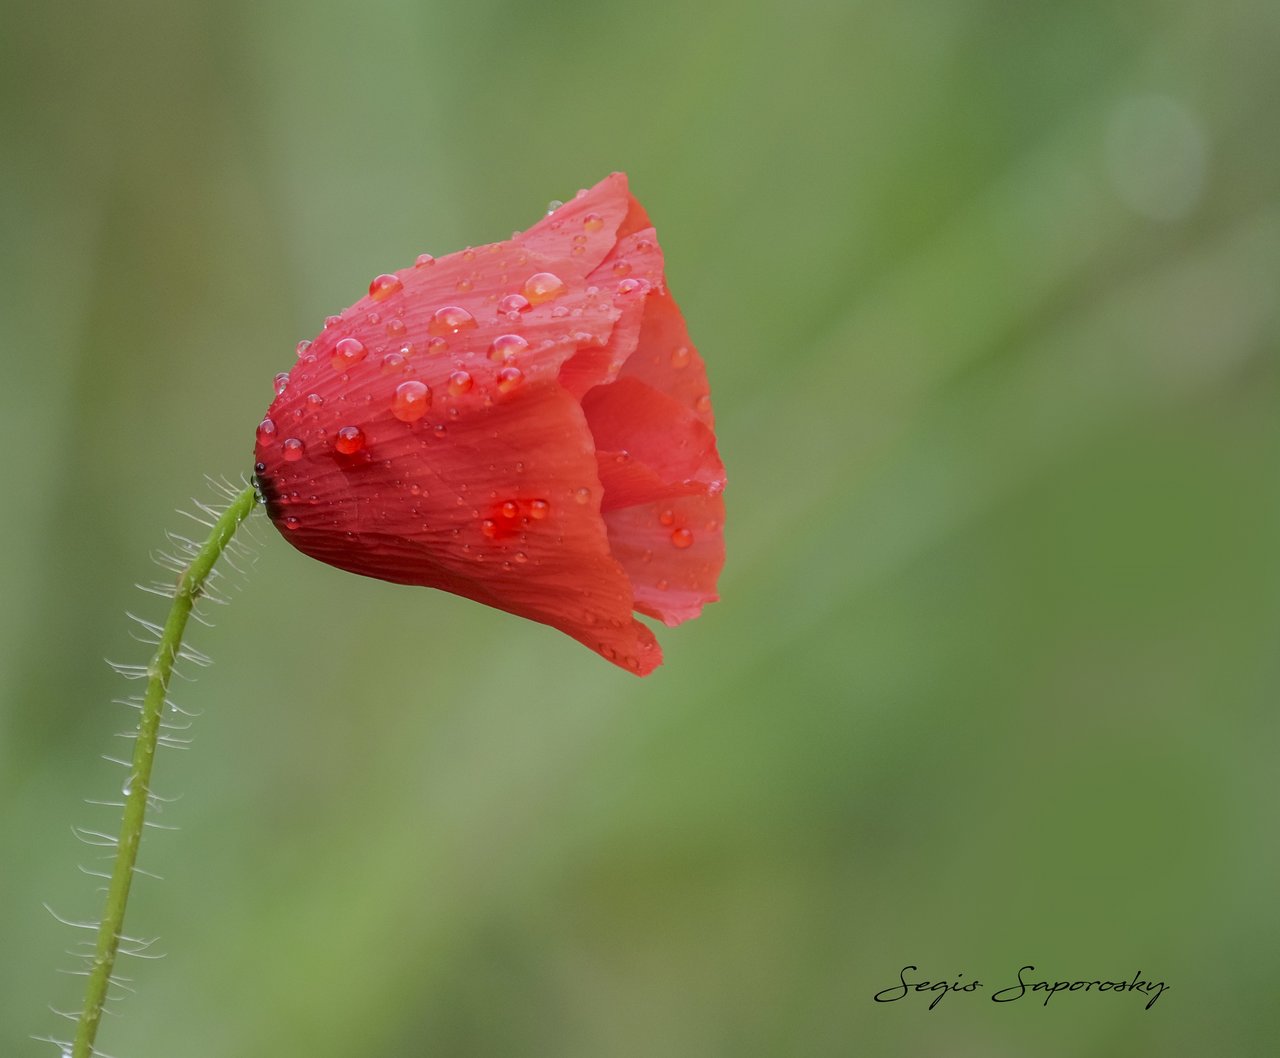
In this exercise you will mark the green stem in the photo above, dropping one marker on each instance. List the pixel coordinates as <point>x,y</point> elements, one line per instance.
<point>159,671</point>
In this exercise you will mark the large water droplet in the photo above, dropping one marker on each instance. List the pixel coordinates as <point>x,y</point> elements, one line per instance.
<point>543,286</point>
<point>507,347</point>
<point>347,353</point>
<point>384,286</point>
<point>350,440</point>
<point>513,303</point>
<point>593,222</point>
<point>459,383</point>
<point>293,449</point>
<point>539,509</point>
<point>509,378</point>
<point>450,320</point>
<point>682,538</point>
<point>266,432</point>
<point>410,401</point>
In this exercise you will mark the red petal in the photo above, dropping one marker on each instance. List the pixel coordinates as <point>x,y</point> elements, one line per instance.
<point>671,582</point>
<point>579,234</point>
<point>502,506</point>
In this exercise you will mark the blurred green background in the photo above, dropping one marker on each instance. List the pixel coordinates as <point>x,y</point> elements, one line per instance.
<point>988,295</point>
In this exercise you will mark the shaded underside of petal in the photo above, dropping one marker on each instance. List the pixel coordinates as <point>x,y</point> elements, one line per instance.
<point>648,446</point>
<point>673,551</point>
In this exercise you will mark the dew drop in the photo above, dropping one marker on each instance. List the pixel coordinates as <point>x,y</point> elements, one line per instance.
<point>464,285</point>
<point>350,440</point>
<point>315,400</point>
<point>593,222</point>
<point>553,205</point>
<point>347,353</point>
<point>682,538</point>
<point>460,383</point>
<point>395,327</point>
<point>393,362</point>
<point>374,318</point>
<point>384,286</point>
<point>703,403</point>
<point>281,382</point>
<point>266,432</point>
<point>331,321</point>
<point>543,286</point>
<point>303,346</point>
<point>632,286</point>
<point>435,346</point>
<point>510,509</point>
<point>423,260</point>
<point>507,346</point>
<point>520,556</point>
<point>293,449</point>
<point>450,320</point>
<point>489,527</point>
<point>680,356</point>
<point>410,401</point>
<point>667,517</point>
<point>514,303</point>
<point>539,509</point>
<point>509,378</point>
<point>621,268</point>
<point>582,495</point>
<point>291,522</point>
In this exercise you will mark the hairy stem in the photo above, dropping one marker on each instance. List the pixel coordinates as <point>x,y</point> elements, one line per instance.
<point>138,787</point>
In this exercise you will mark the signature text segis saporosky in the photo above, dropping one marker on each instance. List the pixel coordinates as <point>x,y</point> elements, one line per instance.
<point>1028,983</point>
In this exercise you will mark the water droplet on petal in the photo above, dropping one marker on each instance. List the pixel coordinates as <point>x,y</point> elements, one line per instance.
<point>350,440</point>
<point>293,449</point>
<point>410,401</point>
<point>509,378</point>
<point>510,509</point>
<point>633,286</point>
<point>332,321</point>
<point>450,320</point>
<point>393,362</point>
<point>539,509</point>
<point>384,286</point>
<point>680,356</point>
<point>543,286</point>
<point>703,403</point>
<point>553,205</point>
<point>423,260</point>
<point>281,382</point>
<point>266,432</point>
<point>291,522</point>
<point>347,353</point>
<point>520,556</point>
<point>621,268</point>
<point>395,327</point>
<point>682,538</point>
<point>463,285</point>
<point>514,303</point>
<point>507,346</point>
<point>435,346</point>
<point>303,346</point>
<point>593,222</point>
<point>667,517</point>
<point>489,527</point>
<point>460,383</point>
<point>582,495</point>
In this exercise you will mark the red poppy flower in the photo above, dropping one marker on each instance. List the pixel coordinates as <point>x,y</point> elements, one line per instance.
<point>526,424</point>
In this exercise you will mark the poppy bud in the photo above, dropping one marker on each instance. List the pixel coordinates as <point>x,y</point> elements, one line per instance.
<point>526,424</point>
